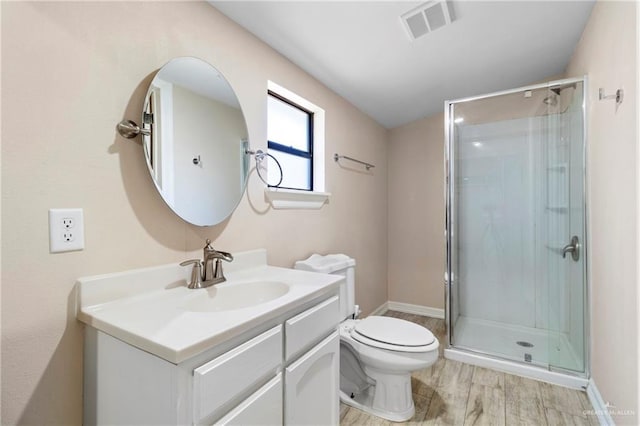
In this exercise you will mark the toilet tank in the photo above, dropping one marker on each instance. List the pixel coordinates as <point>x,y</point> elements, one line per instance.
<point>339,264</point>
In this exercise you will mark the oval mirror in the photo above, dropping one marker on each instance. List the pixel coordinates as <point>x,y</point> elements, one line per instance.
<point>197,141</point>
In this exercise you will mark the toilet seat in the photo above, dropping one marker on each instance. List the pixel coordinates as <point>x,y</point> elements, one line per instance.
<point>393,334</point>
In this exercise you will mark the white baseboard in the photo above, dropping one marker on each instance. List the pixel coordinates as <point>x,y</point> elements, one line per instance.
<point>408,308</point>
<point>381,309</point>
<point>600,407</point>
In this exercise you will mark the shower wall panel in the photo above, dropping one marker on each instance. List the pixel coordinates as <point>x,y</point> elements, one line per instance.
<point>496,216</point>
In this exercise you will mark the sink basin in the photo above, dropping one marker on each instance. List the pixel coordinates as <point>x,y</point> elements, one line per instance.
<point>231,296</point>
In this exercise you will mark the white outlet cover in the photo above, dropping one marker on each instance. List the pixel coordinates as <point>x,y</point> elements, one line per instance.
<point>66,230</point>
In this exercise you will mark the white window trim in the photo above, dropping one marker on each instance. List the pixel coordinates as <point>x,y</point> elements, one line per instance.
<point>281,198</point>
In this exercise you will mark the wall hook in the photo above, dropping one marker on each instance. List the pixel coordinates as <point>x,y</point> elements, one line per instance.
<point>196,160</point>
<point>618,96</point>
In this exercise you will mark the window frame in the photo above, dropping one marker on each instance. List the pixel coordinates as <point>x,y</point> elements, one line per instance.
<point>298,199</point>
<point>307,155</point>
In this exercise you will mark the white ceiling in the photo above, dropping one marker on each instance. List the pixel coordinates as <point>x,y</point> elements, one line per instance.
<point>361,50</point>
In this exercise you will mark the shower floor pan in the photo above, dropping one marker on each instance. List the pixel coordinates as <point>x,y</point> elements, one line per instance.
<point>518,350</point>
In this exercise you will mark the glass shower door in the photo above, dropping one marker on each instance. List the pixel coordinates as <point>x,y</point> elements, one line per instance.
<point>515,199</point>
<point>564,222</point>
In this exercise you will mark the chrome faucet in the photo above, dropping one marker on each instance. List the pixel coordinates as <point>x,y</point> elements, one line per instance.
<point>212,265</point>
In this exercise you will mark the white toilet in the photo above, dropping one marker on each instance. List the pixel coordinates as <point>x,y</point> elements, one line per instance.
<point>377,354</point>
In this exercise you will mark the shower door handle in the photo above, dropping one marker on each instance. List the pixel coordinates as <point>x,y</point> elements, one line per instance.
<point>573,247</point>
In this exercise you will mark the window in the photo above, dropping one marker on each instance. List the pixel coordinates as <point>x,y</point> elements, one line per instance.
<point>290,140</point>
<point>295,133</point>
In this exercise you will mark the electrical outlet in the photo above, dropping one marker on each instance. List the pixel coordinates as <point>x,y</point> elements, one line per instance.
<point>68,222</point>
<point>66,230</point>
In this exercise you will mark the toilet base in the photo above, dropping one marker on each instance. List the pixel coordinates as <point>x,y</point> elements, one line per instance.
<point>367,408</point>
<point>390,398</point>
<point>378,381</point>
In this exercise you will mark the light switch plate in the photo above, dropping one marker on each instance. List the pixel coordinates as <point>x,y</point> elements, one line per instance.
<point>66,230</point>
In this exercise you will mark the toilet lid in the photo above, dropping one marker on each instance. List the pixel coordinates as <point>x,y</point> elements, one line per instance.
<point>392,332</point>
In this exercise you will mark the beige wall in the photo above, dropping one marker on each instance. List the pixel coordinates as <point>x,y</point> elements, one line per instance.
<point>70,72</point>
<point>606,53</point>
<point>416,208</point>
<point>416,213</point>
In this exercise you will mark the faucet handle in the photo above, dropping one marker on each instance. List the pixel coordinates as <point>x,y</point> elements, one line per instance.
<point>196,273</point>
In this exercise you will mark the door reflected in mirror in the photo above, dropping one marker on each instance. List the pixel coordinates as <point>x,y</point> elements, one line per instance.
<point>196,150</point>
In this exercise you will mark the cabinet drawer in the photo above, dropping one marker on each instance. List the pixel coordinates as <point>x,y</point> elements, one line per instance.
<point>311,325</point>
<point>224,378</point>
<point>264,407</point>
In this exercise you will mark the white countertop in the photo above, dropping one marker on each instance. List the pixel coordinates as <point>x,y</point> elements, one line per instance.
<point>145,307</point>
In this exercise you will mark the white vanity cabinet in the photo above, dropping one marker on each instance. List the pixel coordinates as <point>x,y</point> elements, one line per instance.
<point>285,371</point>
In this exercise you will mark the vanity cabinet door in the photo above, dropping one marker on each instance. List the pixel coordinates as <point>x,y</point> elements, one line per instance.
<point>264,407</point>
<point>312,384</point>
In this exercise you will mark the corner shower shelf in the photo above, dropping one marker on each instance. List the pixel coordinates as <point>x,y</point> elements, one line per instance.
<point>558,209</point>
<point>560,167</point>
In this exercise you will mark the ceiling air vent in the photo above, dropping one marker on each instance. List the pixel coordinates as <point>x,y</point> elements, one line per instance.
<point>427,17</point>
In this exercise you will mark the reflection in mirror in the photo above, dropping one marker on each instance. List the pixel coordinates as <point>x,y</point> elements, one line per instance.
<point>197,148</point>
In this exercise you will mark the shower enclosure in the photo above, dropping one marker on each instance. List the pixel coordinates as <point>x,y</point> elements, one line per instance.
<point>516,229</point>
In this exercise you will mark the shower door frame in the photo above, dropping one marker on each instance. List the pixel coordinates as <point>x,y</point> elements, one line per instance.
<point>449,160</point>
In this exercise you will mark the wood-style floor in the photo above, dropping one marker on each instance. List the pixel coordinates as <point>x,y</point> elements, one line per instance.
<point>453,393</point>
